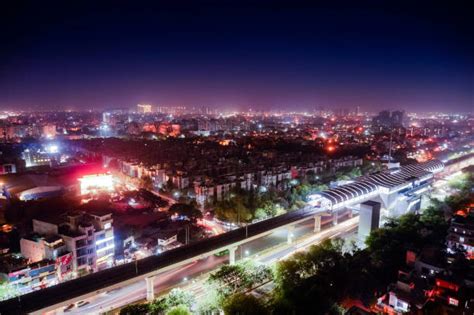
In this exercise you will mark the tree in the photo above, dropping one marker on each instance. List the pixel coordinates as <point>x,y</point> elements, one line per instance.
<point>210,302</point>
<point>179,310</point>
<point>311,175</point>
<point>146,182</point>
<point>269,209</point>
<point>355,172</point>
<point>233,210</point>
<point>174,298</point>
<point>135,309</point>
<point>186,210</point>
<point>230,279</point>
<point>169,184</point>
<point>179,297</point>
<point>313,280</point>
<point>241,304</point>
<point>7,291</point>
<point>326,274</point>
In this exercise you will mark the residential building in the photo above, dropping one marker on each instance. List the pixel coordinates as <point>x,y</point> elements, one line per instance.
<point>89,237</point>
<point>461,234</point>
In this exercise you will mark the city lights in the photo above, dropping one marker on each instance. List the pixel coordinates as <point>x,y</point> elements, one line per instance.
<point>236,157</point>
<point>96,183</point>
<point>52,148</point>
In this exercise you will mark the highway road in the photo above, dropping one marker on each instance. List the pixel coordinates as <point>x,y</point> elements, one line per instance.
<point>274,247</point>
<point>345,230</point>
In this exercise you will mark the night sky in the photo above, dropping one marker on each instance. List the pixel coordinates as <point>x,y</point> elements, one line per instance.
<point>228,54</point>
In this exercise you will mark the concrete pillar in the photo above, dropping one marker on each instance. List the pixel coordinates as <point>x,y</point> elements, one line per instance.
<point>369,218</point>
<point>335,216</point>
<point>290,234</point>
<point>150,288</point>
<point>232,255</point>
<point>317,224</point>
<point>351,213</point>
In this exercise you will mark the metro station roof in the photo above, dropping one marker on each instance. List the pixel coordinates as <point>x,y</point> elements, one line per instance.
<point>348,191</point>
<point>405,174</point>
<point>388,179</point>
<point>434,166</point>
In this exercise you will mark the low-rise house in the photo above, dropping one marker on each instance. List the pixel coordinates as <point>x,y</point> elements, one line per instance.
<point>461,234</point>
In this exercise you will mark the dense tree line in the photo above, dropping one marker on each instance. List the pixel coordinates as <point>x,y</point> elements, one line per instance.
<point>327,273</point>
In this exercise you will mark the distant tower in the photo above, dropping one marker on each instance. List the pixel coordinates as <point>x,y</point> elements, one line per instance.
<point>106,117</point>
<point>144,108</point>
<point>397,118</point>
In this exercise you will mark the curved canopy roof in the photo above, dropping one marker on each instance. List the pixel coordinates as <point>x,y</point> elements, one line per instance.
<point>349,191</point>
<point>433,166</point>
<point>389,179</point>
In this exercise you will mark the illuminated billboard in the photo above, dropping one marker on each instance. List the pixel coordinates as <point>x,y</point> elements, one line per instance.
<point>93,184</point>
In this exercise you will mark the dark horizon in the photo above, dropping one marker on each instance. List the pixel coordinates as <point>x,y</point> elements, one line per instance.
<point>416,57</point>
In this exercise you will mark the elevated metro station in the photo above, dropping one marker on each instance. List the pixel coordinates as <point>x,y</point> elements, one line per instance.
<point>397,189</point>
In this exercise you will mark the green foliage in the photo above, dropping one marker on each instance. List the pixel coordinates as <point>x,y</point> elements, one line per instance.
<point>347,173</point>
<point>230,279</point>
<point>241,304</point>
<point>210,303</point>
<point>323,276</point>
<point>180,297</point>
<point>269,209</point>
<point>179,310</point>
<point>317,276</point>
<point>135,309</point>
<point>246,206</point>
<point>233,210</point>
<point>7,291</point>
<point>387,246</point>
<point>174,298</point>
<point>462,182</point>
<point>146,182</point>
<point>320,278</point>
<point>186,210</point>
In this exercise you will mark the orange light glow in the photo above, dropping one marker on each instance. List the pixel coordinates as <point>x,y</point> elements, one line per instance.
<point>96,183</point>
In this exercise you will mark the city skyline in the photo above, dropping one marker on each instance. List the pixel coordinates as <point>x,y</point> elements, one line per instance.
<point>297,56</point>
<point>236,157</point>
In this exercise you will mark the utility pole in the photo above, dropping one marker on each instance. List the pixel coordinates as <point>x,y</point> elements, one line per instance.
<point>187,234</point>
<point>238,217</point>
<point>390,148</point>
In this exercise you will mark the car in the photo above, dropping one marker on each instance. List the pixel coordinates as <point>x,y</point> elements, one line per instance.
<point>82,303</point>
<point>69,308</point>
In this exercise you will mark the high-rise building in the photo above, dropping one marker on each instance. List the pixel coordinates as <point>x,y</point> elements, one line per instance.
<point>89,237</point>
<point>387,120</point>
<point>397,118</point>
<point>144,108</point>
